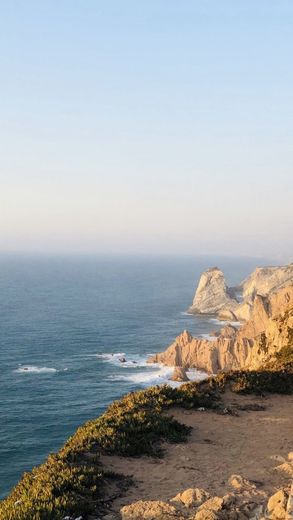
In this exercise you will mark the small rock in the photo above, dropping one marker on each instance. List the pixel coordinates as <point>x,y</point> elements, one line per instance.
<point>276,507</point>
<point>206,515</point>
<point>238,482</point>
<point>214,504</point>
<point>179,375</point>
<point>149,510</point>
<point>192,497</point>
<point>286,469</point>
<point>290,456</point>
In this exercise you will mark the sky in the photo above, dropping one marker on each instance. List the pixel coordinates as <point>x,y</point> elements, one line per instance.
<point>147,127</point>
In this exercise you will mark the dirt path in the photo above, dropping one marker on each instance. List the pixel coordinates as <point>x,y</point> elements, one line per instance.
<point>219,446</point>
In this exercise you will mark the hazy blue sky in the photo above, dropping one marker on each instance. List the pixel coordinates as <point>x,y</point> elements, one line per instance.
<point>147,126</point>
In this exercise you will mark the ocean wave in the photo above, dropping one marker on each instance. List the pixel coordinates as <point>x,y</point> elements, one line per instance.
<point>35,370</point>
<point>152,377</point>
<point>158,374</point>
<point>109,356</point>
<point>120,360</point>
<point>224,322</point>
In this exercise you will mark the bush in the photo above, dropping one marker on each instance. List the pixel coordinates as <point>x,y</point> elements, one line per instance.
<point>72,482</point>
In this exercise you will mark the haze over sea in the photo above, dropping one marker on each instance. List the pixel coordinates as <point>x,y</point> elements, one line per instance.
<point>62,318</point>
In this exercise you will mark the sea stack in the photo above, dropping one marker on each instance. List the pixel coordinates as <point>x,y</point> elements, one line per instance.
<point>212,294</point>
<point>179,375</point>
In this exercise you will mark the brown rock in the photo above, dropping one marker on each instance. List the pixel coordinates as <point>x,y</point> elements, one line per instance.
<point>179,375</point>
<point>226,315</point>
<point>239,483</point>
<point>149,510</point>
<point>206,515</point>
<point>214,504</point>
<point>286,468</point>
<point>277,504</point>
<point>264,280</point>
<point>248,348</point>
<point>192,497</point>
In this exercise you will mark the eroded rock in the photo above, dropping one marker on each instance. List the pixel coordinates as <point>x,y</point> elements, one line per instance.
<point>277,505</point>
<point>192,497</point>
<point>286,469</point>
<point>239,483</point>
<point>212,293</point>
<point>179,375</point>
<point>150,510</point>
<point>250,347</point>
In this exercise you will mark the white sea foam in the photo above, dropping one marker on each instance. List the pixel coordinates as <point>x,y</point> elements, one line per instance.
<point>223,322</point>
<point>24,369</point>
<point>109,356</point>
<point>158,374</point>
<point>120,360</point>
<point>152,377</point>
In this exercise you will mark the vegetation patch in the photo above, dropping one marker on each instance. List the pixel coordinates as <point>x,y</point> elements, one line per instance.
<point>72,483</point>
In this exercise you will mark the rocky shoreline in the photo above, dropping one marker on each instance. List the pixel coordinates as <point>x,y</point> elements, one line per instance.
<point>260,337</point>
<point>233,431</point>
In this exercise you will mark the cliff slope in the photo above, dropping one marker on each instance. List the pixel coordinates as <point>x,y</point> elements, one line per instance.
<point>212,295</point>
<point>269,329</point>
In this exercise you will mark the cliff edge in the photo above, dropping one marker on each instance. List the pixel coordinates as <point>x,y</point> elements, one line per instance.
<point>213,296</point>
<point>269,329</point>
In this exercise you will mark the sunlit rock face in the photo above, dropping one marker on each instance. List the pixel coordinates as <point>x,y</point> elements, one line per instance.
<point>212,293</point>
<point>266,332</point>
<point>213,296</point>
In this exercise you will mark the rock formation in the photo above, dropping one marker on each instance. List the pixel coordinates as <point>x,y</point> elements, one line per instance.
<point>212,295</point>
<point>265,280</point>
<point>179,375</point>
<point>244,500</point>
<point>267,331</point>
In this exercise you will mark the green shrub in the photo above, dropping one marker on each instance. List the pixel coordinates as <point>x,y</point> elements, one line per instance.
<point>73,481</point>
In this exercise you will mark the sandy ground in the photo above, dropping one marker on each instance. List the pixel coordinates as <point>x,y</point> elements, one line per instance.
<point>220,445</point>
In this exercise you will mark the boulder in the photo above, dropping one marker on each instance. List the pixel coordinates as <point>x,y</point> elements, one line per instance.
<point>149,510</point>
<point>214,504</point>
<point>240,483</point>
<point>192,497</point>
<point>277,504</point>
<point>286,468</point>
<point>212,294</point>
<point>206,515</point>
<point>179,375</point>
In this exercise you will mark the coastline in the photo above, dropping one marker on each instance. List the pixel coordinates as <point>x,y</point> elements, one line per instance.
<point>75,481</point>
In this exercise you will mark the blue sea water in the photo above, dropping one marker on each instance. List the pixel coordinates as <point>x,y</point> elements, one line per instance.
<point>62,318</point>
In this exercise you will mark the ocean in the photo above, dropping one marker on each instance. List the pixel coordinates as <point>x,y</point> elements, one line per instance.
<point>66,322</point>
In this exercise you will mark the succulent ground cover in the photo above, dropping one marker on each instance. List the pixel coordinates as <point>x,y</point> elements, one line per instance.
<point>73,482</point>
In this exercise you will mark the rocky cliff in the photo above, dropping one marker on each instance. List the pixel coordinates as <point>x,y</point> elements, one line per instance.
<point>264,280</point>
<point>212,293</point>
<point>268,330</point>
<point>213,296</point>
